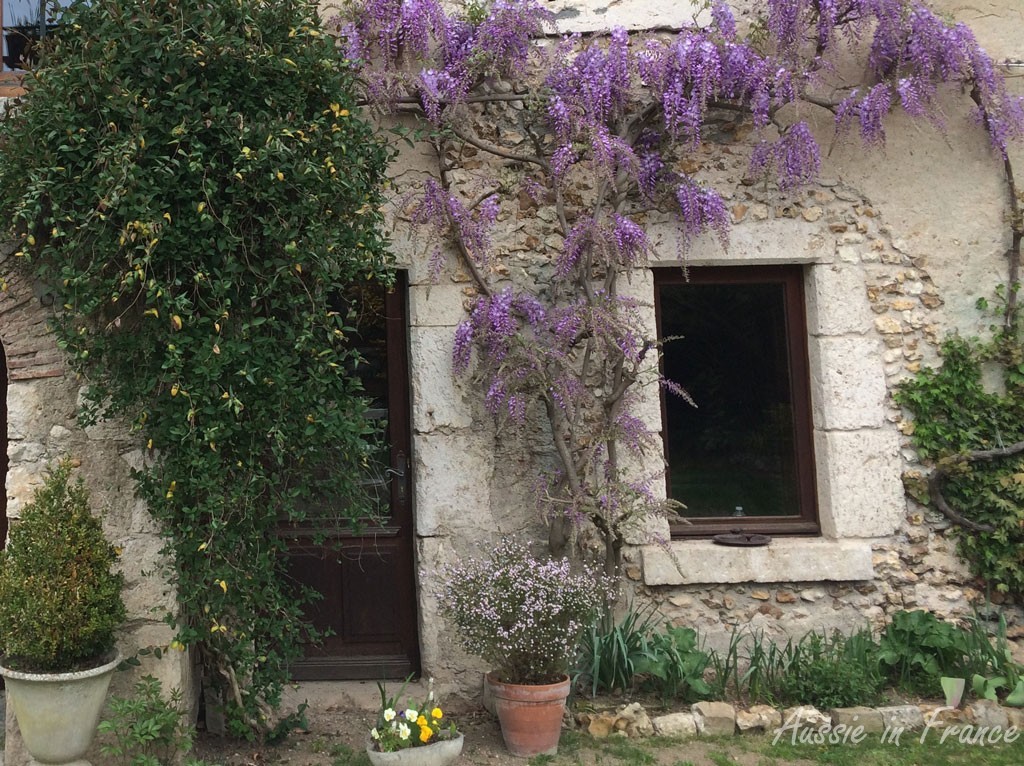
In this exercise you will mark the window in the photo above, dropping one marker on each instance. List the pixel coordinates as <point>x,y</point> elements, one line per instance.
<point>736,340</point>
<point>22,28</point>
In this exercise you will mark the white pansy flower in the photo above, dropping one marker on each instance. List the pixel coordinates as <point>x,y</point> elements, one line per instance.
<point>389,715</point>
<point>411,715</point>
<point>374,734</point>
<point>403,731</point>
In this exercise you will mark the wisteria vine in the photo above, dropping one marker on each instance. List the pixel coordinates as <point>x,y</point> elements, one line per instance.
<point>618,111</point>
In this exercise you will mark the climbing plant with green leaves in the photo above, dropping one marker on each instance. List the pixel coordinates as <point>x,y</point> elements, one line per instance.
<point>974,436</point>
<point>194,185</point>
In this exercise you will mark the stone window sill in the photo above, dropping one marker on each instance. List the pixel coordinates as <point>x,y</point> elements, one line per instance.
<point>790,559</point>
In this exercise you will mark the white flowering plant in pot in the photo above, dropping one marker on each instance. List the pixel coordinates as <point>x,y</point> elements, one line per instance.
<point>522,614</point>
<point>410,724</point>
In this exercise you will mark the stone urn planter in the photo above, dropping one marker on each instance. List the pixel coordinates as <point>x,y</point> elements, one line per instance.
<point>439,753</point>
<point>58,712</point>
<point>59,652</point>
<point>530,715</point>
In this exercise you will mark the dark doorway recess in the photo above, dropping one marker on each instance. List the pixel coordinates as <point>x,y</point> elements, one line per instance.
<point>368,580</point>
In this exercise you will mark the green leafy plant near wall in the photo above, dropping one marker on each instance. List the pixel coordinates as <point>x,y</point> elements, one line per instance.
<point>192,183</point>
<point>973,436</point>
<point>147,728</point>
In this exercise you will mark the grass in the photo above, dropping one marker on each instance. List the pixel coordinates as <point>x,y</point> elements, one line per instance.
<point>580,750</point>
<point>577,748</point>
<point>346,756</point>
<point>909,752</point>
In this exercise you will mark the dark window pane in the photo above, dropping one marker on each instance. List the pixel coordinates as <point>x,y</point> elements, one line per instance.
<point>744,450</point>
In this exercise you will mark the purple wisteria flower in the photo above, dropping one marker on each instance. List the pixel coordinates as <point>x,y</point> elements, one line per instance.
<point>794,158</point>
<point>444,214</point>
<point>700,209</point>
<point>604,124</point>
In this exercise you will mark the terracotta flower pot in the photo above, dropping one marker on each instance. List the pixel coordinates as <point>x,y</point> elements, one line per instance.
<point>530,716</point>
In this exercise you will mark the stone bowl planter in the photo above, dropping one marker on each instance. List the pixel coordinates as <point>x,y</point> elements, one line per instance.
<point>58,712</point>
<point>439,753</point>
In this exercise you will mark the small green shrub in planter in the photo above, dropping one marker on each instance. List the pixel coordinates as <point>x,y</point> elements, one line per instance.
<point>60,600</point>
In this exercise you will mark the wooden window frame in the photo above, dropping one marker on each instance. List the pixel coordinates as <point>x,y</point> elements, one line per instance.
<point>791,278</point>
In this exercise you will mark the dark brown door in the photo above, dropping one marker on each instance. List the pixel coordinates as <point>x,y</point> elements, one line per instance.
<point>367,580</point>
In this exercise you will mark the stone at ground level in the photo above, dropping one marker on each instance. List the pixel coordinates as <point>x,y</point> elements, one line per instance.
<point>1013,714</point>
<point>758,719</point>
<point>634,721</point>
<point>987,713</point>
<point>722,719</point>
<point>905,717</point>
<point>940,715</point>
<point>804,717</point>
<point>715,719</point>
<point>868,719</point>
<point>675,725</point>
<point>597,725</point>
<point>629,720</point>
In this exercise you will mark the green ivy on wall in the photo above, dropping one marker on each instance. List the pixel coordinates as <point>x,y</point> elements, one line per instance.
<point>192,181</point>
<point>974,437</point>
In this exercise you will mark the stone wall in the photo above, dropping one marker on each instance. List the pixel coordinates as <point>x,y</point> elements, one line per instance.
<point>896,246</point>
<point>42,405</point>
<point>875,314</point>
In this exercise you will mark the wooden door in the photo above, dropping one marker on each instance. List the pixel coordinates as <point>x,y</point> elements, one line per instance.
<point>367,580</point>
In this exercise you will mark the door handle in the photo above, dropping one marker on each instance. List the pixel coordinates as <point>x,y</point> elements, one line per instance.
<point>401,474</point>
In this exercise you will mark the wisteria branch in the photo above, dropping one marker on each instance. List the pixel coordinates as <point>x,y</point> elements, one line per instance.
<point>467,257</point>
<point>499,151</point>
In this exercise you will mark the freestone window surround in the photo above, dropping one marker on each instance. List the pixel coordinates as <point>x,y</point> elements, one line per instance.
<point>856,449</point>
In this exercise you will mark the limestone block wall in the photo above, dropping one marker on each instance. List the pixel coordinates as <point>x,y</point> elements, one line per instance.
<point>42,407</point>
<point>909,238</point>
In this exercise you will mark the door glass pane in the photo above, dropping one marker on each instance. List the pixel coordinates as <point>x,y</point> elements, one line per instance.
<point>734,453</point>
<point>365,311</point>
<point>363,308</point>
